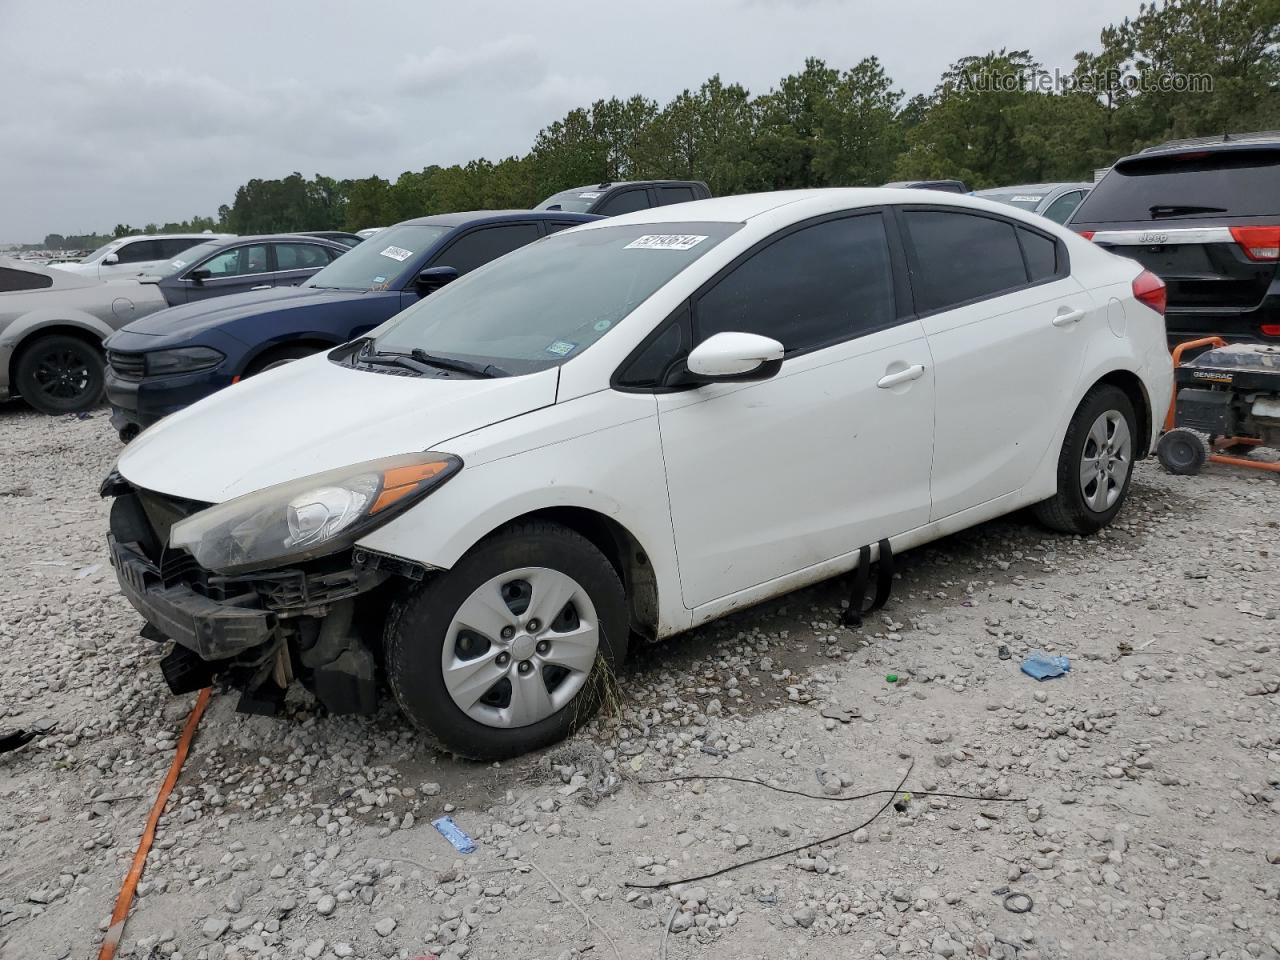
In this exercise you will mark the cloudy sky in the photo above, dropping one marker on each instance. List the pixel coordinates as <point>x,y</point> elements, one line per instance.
<point>135,111</point>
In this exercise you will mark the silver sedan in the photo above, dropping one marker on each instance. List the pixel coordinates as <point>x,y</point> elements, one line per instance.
<point>52,324</point>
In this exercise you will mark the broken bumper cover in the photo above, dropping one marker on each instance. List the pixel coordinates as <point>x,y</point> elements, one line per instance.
<point>211,630</point>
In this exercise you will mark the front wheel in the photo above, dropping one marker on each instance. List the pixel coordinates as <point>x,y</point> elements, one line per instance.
<point>60,374</point>
<point>1095,464</point>
<point>513,648</point>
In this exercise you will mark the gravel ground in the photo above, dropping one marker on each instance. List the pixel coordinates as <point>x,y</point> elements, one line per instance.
<point>1149,826</point>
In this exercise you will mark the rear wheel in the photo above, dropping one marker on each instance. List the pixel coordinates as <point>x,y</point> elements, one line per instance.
<point>513,648</point>
<point>60,374</point>
<point>1095,464</point>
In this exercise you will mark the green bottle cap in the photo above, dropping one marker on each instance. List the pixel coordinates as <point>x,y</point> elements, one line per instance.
<point>891,678</point>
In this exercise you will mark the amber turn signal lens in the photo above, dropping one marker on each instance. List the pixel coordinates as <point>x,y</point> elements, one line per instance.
<point>402,481</point>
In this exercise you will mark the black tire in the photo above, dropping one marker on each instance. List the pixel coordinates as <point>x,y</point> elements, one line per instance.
<point>1183,451</point>
<point>60,374</point>
<point>1066,511</point>
<point>420,619</point>
<point>280,356</point>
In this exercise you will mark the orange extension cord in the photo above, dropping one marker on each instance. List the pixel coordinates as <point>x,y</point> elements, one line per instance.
<point>125,900</point>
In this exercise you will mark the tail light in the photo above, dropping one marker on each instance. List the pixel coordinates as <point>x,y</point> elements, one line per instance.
<point>1088,234</point>
<point>1150,290</point>
<point>1258,243</point>
<point>1271,329</point>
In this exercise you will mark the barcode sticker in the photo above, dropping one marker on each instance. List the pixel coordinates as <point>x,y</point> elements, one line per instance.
<point>665,241</point>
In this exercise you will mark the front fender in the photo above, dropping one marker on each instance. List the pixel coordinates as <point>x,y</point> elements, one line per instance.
<point>615,471</point>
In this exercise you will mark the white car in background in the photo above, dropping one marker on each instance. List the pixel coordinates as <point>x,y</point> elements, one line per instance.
<point>1057,201</point>
<point>130,256</point>
<point>629,428</point>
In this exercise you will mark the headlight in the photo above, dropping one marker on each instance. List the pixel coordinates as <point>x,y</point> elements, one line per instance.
<point>310,517</point>
<point>182,360</point>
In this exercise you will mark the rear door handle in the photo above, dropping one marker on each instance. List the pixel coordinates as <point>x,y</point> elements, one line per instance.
<point>261,286</point>
<point>1067,317</point>
<point>902,376</point>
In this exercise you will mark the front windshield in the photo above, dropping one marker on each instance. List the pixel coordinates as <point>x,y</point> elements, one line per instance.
<point>571,201</point>
<point>187,257</point>
<point>1021,199</point>
<point>379,265</point>
<point>101,252</point>
<point>546,303</point>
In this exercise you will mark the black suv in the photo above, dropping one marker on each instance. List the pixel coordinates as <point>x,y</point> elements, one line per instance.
<point>625,196</point>
<point>1204,216</point>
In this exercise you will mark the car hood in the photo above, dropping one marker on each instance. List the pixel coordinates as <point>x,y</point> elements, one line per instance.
<point>315,415</point>
<point>190,317</point>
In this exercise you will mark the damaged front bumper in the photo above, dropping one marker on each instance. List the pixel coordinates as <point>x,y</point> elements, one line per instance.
<point>258,631</point>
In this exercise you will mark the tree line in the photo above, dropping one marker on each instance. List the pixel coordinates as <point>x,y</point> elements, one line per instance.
<point>1178,68</point>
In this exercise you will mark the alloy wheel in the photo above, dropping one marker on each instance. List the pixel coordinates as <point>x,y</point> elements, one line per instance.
<point>62,374</point>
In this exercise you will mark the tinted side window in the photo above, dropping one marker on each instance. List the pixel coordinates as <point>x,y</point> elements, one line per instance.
<point>300,256</point>
<point>556,226</point>
<point>12,281</point>
<point>674,194</point>
<point>1060,209</point>
<point>479,247</point>
<point>1041,254</point>
<point>651,365</point>
<point>628,201</point>
<point>172,246</point>
<point>813,287</point>
<point>961,257</point>
<point>140,251</point>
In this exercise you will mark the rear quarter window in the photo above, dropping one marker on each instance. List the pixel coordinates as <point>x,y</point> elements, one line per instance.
<point>15,281</point>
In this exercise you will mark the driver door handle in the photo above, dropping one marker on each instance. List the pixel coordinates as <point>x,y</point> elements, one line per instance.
<point>902,376</point>
<point>1067,317</point>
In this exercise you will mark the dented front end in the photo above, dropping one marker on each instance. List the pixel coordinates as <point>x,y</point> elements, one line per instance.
<point>318,621</point>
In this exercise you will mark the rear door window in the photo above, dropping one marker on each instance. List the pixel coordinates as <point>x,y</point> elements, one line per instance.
<point>813,287</point>
<point>1208,183</point>
<point>301,256</point>
<point>172,246</point>
<point>961,257</point>
<point>140,251</point>
<point>1041,254</point>
<point>668,195</point>
<point>626,201</point>
<point>480,246</point>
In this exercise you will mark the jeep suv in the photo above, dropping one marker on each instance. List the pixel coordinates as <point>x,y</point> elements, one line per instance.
<point>1204,216</point>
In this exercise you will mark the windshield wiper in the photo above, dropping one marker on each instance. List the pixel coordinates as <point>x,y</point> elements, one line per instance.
<point>418,359</point>
<point>1173,209</point>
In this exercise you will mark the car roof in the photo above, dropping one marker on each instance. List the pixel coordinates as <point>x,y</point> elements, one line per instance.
<point>171,236</point>
<point>1226,141</point>
<point>469,217</point>
<point>743,207</point>
<point>1040,187</point>
<point>263,237</point>
<point>612,184</point>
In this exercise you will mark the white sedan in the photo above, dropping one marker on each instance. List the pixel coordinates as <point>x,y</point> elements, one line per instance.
<point>627,429</point>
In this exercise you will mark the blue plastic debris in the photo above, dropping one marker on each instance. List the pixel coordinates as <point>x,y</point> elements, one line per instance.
<point>1042,666</point>
<point>451,832</point>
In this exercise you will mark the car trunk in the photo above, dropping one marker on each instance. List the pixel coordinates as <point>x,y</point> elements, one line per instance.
<point>1194,220</point>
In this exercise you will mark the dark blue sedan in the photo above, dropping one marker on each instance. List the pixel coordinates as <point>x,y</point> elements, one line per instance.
<point>175,357</point>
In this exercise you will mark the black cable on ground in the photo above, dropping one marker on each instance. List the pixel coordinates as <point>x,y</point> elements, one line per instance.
<point>664,884</point>
<point>820,796</point>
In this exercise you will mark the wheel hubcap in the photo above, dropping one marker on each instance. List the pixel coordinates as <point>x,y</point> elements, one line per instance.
<point>1106,461</point>
<point>520,647</point>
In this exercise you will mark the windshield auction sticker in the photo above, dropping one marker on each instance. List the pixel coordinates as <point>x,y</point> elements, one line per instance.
<point>397,253</point>
<point>665,241</point>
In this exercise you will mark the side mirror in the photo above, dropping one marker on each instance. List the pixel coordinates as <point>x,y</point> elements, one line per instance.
<point>111,259</point>
<point>433,278</point>
<point>199,276</point>
<point>735,358</point>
